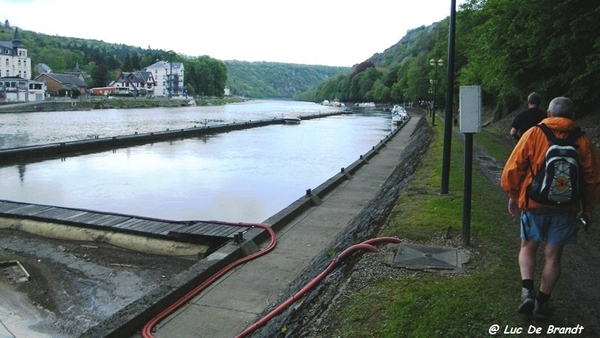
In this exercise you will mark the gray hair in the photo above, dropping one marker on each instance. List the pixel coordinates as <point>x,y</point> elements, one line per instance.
<point>561,107</point>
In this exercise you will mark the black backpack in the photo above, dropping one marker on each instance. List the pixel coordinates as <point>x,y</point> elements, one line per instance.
<point>558,181</point>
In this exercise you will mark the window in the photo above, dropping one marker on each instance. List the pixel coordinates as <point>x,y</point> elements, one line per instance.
<point>7,61</point>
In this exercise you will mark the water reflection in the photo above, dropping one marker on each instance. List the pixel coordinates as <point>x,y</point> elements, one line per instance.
<point>245,175</point>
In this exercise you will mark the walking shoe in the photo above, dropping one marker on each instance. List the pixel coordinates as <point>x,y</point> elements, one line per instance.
<point>527,302</point>
<point>542,310</point>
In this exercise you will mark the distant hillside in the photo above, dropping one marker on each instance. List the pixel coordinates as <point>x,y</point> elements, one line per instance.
<point>275,80</point>
<point>250,79</point>
<point>415,42</point>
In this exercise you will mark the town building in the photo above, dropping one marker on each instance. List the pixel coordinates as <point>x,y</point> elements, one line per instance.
<point>16,89</point>
<point>136,83</point>
<point>13,58</point>
<point>169,78</point>
<point>62,84</point>
<point>103,91</point>
<point>15,73</point>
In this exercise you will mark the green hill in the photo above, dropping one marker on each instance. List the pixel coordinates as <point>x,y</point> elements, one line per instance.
<point>275,80</point>
<point>99,61</point>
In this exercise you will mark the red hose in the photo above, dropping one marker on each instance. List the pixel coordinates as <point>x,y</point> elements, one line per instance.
<point>279,309</point>
<point>147,330</point>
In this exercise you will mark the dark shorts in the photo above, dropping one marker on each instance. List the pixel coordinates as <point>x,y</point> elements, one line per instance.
<point>555,228</point>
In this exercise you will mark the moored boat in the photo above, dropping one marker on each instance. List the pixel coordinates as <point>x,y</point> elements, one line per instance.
<point>399,114</point>
<point>291,120</point>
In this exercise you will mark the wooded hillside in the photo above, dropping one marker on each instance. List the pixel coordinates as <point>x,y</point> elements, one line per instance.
<point>509,47</point>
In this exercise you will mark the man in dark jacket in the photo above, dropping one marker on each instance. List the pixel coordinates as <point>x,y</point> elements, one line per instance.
<point>527,118</point>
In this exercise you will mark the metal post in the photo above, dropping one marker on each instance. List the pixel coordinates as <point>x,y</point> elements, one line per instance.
<point>435,64</point>
<point>434,96</point>
<point>449,97</point>
<point>466,229</point>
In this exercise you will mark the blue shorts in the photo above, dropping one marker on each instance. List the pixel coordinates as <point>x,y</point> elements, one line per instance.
<point>555,228</point>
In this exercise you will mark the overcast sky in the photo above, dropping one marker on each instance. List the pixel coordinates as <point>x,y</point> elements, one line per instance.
<point>315,32</point>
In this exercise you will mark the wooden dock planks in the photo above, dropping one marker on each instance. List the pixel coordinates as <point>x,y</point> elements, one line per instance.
<point>119,223</point>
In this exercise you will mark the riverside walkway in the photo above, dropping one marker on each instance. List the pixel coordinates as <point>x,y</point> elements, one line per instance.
<point>241,296</point>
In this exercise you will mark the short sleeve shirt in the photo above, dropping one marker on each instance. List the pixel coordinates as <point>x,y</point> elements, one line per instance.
<point>527,119</point>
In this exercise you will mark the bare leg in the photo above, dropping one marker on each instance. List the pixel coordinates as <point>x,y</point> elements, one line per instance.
<point>552,267</point>
<point>527,266</point>
<point>527,258</point>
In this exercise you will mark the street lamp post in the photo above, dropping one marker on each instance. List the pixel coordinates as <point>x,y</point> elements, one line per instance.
<point>435,64</point>
<point>430,93</point>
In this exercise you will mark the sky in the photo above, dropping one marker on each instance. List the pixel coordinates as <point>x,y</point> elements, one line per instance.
<point>313,32</point>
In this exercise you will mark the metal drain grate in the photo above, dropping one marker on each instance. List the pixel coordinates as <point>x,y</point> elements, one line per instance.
<point>421,257</point>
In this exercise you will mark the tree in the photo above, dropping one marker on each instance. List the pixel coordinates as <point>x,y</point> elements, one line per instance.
<point>207,76</point>
<point>136,62</point>
<point>127,65</point>
<point>100,76</point>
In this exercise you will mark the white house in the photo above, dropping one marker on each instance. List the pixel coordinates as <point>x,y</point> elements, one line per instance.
<point>169,78</point>
<point>16,89</point>
<point>13,58</point>
<point>134,82</point>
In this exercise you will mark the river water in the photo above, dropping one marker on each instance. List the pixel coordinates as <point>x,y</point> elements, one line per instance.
<point>239,176</point>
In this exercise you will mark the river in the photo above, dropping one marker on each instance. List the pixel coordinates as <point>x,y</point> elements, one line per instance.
<point>246,175</point>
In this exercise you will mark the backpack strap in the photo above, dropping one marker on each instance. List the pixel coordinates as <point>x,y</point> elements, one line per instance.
<point>549,134</point>
<point>552,138</point>
<point>571,139</point>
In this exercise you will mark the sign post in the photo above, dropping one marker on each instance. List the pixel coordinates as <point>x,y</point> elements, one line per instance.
<point>470,123</point>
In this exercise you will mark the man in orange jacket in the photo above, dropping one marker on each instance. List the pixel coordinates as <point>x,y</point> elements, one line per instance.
<point>551,224</point>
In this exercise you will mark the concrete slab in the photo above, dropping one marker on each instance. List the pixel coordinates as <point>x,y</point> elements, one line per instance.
<point>203,321</point>
<point>308,242</point>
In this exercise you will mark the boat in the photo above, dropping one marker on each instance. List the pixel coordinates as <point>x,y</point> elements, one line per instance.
<point>334,103</point>
<point>291,120</point>
<point>399,114</point>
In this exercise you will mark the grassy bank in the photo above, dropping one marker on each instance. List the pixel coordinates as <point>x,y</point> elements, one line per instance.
<point>462,304</point>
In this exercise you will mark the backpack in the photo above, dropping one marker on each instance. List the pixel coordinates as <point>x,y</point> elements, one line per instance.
<point>559,180</point>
